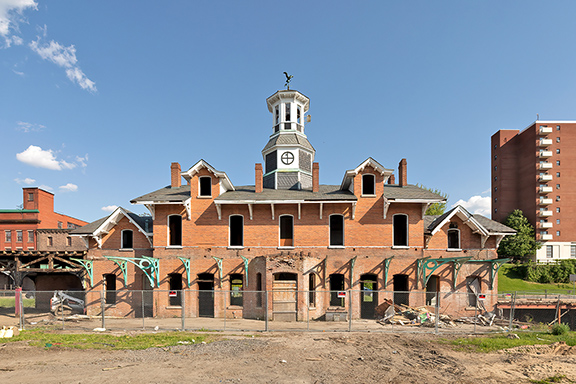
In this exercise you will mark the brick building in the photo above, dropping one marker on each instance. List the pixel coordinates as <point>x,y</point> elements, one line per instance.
<point>35,248</point>
<point>288,233</point>
<point>534,170</point>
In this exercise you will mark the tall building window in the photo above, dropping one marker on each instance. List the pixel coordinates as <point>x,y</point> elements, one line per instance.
<point>30,236</point>
<point>336,230</point>
<point>236,229</point>
<point>557,198</point>
<point>558,209</point>
<point>286,231</point>
<point>557,233</point>
<point>236,287</point>
<point>19,236</point>
<point>400,230</point>
<point>368,185</point>
<point>557,221</point>
<point>205,186</point>
<point>30,196</point>
<point>557,139</point>
<point>549,252</point>
<point>557,150</point>
<point>557,127</point>
<point>557,162</point>
<point>573,251</point>
<point>127,239</point>
<point>175,230</point>
<point>557,186</point>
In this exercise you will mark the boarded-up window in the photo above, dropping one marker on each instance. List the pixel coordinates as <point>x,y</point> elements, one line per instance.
<point>236,231</point>
<point>175,230</point>
<point>336,230</point>
<point>400,224</point>
<point>286,231</point>
<point>205,186</point>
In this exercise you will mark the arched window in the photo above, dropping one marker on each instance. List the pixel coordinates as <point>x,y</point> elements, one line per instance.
<point>453,239</point>
<point>286,231</point>
<point>175,230</point>
<point>127,239</point>
<point>400,229</point>
<point>336,230</point>
<point>205,186</point>
<point>236,229</point>
<point>368,185</point>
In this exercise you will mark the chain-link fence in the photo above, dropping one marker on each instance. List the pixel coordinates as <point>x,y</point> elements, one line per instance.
<point>284,310</point>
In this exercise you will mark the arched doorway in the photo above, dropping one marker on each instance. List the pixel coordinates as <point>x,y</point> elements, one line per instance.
<point>368,296</point>
<point>284,297</point>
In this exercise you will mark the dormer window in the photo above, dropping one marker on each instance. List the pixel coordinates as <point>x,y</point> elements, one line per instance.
<point>368,185</point>
<point>127,237</point>
<point>205,186</point>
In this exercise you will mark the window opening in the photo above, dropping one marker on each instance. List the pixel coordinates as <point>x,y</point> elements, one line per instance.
<point>549,252</point>
<point>312,290</point>
<point>453,239</point>
<point>205,186</point>
<point>19,236</point>
<point>30,197</point>
<point>473,284</point>
<point>400,228</point>
<point>336,230</point>
<point>175,230</point>
<point>30,236</point>
<point>50,241</point>
<point>175,292</point>
<point>288,112</point>
<point>8,236</point>
<point>236,287</point>
<point>236,231</point>
<point>286,231</point>
<point>337,290</point>
<point>432,289</point>
<point>127,238</point>
<point>298,115</point>
<point>110,288</point>
<point>69,241</point>
<point>368,184</point>
<point>259,290</point>
<point>401,289</point>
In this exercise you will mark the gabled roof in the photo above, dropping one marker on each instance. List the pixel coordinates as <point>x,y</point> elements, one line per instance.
<point>165,195</point>
<point>349,175</point>
<point>225,181</point>
<point>410,193</point>
<point>105,224</point>
<point>477,222</point>
<point>288,139</point>
<point>247,194</point>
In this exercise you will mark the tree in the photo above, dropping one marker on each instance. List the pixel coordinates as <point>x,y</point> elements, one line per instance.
<point>436,208</point>
<point>523,243</point>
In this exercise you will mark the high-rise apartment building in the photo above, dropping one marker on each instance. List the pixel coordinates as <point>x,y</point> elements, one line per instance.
<point>535,170</point>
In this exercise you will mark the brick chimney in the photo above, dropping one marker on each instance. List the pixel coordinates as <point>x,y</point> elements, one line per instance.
<point>402,173</point>
<point>315,177</point>
<point>259,175</point>
<point>175,178</point>
<point>391,180</point>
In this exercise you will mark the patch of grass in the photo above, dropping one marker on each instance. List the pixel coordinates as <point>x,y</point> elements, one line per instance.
<point>551,379</point>
<point>509,281</point>
<point>491,343</point>
<point>10,302</point>
<point>47,339</point>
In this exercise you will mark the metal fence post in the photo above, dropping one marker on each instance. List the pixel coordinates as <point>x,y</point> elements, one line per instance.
<point>307,293</point>
<point>225,310</point>
<point>512,311</point>
<point>437,313</point>
<point>266,310</point>
<point>475,314</point>
<point>143,313</point>
<point>62,310</point>
<point>349,310</point>
<point>102,308</point>
<point>183,305</point>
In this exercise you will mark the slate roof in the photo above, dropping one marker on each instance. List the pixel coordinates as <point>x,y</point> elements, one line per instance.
<point>289,139</point>
<point>145,222</point>
<point>431,221</point>
<point>394,191</point>
<point>325,193</point>
<point>168,194</point>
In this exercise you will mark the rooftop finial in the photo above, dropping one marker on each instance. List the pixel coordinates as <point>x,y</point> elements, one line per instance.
<point>288,78</point>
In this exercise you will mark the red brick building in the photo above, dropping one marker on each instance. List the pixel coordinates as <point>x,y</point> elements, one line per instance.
<point>290,234</point>
<point>535,171</point>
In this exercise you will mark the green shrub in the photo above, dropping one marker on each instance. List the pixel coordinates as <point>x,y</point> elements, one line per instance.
<point>560,329</point>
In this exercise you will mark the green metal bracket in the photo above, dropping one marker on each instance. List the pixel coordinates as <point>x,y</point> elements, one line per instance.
<point>186,263</point>
<point>87,264</point>
<point>246,261</point>
<point>149,265</point>
<point>420,268</point>
<point>495,265</point>
<point>386,269</point>
<point>427,267</point>
<point>219,262</point>
<point>352,264</point>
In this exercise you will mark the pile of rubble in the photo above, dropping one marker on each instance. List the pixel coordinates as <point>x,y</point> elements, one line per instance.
<point>400,314</point>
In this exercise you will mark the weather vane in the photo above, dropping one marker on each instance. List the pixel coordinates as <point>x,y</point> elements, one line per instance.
<point>288,78</point>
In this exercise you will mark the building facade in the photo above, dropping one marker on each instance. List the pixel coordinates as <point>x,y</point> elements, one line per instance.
<point>263,245</point>
<point>534,170</point>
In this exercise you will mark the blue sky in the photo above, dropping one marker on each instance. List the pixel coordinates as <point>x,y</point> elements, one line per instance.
<point>98,98</point>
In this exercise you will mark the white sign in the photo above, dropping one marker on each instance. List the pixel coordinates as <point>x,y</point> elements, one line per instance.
<point>341,295</point>
<point>481,296</point>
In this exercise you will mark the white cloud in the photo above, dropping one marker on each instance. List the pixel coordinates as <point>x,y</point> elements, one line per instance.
<point>109,208</point>
<point>29,127</point>
<point>18,72</point>
<point>476,204</point>
<point>46,187</point>
<point>26,181</point>
<point>37,157</point>
<point>64,57</point>
<point>68,188</point>
<point>82,160</point>
<point>10,16</point>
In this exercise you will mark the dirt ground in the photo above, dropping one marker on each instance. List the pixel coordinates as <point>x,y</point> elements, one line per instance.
<point>288,358</point>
